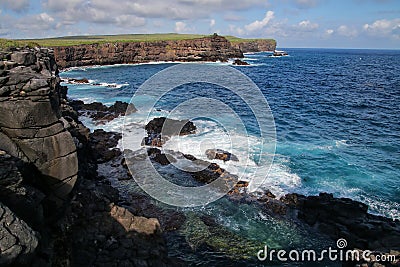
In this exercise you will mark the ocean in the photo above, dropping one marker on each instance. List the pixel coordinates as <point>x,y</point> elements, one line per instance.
<point>337,118</point>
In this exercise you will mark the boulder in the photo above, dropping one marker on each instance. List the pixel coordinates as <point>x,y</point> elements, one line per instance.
<point>239,62</point>
<point>100,112</point>
<point>18,241</point>
<point>156,155</point>
<point>25,58</point>
<point>159,130</point>
<point>220,154</point>
<point>170,127</point>
<point>17,191</point>
<point>103,145</point>
<point>134,223</point>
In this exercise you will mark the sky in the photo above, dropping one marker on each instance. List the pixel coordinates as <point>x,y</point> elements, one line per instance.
<point>293,23</point>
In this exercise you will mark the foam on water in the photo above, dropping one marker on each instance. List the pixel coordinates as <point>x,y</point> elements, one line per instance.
<point>336,121</point>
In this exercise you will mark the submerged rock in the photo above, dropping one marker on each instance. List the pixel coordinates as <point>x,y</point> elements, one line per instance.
<point>203,233</point>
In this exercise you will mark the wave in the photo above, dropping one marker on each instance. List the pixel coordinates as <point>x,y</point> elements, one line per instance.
<point>250,59</point>
<point>277,178</point>
<point>73,81</point>
<point>379,206</point>
<point>111,85</point>
<point>279,56</point>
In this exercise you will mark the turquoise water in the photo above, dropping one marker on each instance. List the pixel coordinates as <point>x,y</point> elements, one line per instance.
<point>337,115</point>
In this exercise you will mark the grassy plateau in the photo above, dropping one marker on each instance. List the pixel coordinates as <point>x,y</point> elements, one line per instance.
<point>98,39</point>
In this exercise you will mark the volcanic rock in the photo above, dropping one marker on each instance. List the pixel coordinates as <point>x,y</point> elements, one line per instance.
<point>240,62</point>
<point>220,154</point>
<point>31,126</point>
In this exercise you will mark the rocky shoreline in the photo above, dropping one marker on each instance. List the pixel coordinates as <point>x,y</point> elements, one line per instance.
<point>213,48</point>
<point>60,204</point>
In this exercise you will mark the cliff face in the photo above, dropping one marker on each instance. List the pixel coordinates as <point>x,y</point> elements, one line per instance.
<point>41,141</point>
<point>256,46</point>
<point>31,126</point>
<point>212,48</point>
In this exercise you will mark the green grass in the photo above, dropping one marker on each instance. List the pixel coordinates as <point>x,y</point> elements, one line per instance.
<point>234,39</point>
<point>6,43</point>
<point>99,39</point>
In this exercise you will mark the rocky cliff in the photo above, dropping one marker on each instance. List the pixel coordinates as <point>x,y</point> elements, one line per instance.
<point>31,126</point>
<point>211,48</point>
<point>255,45</point>
<point>49,216</point>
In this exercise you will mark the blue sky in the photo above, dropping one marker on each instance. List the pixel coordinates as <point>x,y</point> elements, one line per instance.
<point>293,23</point>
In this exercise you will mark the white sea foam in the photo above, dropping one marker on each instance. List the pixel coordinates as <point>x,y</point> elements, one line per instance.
<point>250,59</point>
<point>381,207</point>
<point>88,100</point>
<point>113,85</point>
<point>278,178</point>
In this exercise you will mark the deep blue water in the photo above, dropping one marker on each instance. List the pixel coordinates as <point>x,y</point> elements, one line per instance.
<point>337,115</point>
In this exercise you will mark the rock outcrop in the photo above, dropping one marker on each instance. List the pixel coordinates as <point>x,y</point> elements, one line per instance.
<point>18,241</point>
<point>100,112</point>
<point>256,45</point>
<point>211,48</point>
<point>220,154</point>
<point>346,218</point>
<point>31,126</point>
<point>159,130</point>
<point>239,62</point>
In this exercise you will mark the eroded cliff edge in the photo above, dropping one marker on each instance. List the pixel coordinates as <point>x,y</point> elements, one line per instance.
<point>259,45</point>
<point>31,125</point>
<point>212,48</point>
<point>54,212</point>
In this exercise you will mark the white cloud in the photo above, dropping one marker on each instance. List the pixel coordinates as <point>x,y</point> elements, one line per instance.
<point>35,23</point>
<point>15,5</point>
<point>307,25</point>
<point>212,22</point>
<point>181,27</point>
<point>329,32</point>
<point>45,18</point>
<point>384,28</point>
<point>347,31</point>
<point>272,27</point>
<point>172,9</point>
<point>258,25</point>
<point>129,21</point>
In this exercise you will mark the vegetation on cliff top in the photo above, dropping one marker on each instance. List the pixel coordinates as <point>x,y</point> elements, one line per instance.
<point>94,39</point>
<point>234,39</point>
<point>6,43</point>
